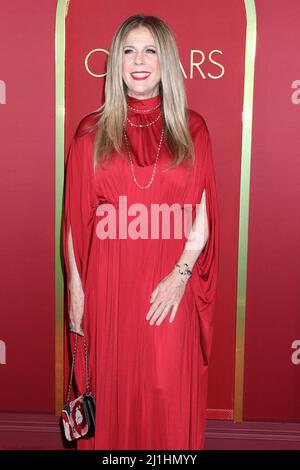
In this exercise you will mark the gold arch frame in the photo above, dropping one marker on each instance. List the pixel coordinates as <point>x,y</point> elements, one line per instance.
<point>250,50</point>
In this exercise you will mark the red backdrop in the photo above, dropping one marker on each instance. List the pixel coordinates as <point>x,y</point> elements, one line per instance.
<point>27,82</point>
<point>27,57</point>
<point>272,379</point>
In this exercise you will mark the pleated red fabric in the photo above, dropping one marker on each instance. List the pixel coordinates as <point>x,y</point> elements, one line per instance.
<point>150,382</point>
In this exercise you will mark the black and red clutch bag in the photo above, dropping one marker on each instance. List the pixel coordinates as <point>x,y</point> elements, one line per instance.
<point>78,415</point>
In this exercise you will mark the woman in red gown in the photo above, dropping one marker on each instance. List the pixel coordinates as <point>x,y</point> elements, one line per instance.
<point>147,322</point>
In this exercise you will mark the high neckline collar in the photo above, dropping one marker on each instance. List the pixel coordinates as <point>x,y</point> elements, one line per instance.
<point>143,104</point>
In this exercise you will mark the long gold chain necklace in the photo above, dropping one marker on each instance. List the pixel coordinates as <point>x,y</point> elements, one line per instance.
<point>155,164</point>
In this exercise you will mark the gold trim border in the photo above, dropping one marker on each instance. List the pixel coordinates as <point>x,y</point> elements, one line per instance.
<point>250,52</point>
<point>61,11</point>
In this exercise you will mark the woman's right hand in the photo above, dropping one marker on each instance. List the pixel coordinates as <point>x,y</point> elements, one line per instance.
<point>76,307</point>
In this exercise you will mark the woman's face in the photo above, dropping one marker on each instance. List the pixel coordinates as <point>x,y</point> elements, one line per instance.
<point>140,66</point>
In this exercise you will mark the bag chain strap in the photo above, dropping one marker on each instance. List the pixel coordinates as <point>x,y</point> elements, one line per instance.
<point>72,368</point>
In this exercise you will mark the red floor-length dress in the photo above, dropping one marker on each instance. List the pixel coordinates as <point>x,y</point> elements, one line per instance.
<point>150,382</point>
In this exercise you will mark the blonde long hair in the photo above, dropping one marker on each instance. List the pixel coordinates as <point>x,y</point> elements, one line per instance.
<point>113,113</point>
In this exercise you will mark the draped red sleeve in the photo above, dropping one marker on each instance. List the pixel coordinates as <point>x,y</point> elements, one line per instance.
<point>205,272</point>
<point>79,204</point>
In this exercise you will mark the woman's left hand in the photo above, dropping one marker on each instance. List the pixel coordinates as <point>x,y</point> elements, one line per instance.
<point>166,296</point>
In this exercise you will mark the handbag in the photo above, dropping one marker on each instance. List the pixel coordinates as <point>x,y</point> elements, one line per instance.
<point>78,415</point>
